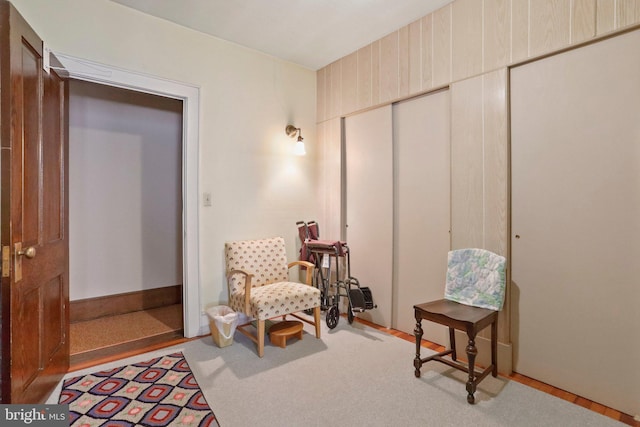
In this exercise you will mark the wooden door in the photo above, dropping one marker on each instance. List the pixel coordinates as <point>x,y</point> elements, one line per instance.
<point>35,291</point>
<point>369,206</point>
<point>575,154</point>
<point>422,220</point>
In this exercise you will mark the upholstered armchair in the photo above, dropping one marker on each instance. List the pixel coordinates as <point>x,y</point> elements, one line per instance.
<point>259,286</point>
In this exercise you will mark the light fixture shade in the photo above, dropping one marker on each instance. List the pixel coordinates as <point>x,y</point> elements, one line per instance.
<point>299,149</point>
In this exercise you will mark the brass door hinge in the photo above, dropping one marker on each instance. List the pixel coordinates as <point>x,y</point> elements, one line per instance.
<point>6,261</point>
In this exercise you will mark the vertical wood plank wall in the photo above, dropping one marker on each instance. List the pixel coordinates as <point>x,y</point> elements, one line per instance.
<point>329,179</point>
<point>461,40</point>
<point>468,46</point>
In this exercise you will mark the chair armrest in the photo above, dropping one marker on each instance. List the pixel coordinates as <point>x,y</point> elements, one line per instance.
<point>247,286</point>
<point>309,266</point>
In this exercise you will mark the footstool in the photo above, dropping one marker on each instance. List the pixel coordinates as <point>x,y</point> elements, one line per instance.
<point>279,332</point>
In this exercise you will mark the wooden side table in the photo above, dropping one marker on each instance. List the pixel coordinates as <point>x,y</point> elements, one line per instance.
<point>279,332</point>
<point>465,318</point>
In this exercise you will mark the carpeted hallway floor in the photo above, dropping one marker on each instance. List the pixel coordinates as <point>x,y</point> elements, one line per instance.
<point>110,331</point>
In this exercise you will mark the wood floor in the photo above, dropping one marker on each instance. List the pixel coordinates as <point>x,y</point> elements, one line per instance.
<point>165,327</point>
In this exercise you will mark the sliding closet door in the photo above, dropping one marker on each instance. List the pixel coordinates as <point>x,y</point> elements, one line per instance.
<point>369,205</point>
<point>422,199</point>
<point>576,220</point>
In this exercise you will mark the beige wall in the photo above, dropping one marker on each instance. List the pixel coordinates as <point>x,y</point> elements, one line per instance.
<point>467,45</point>
<point>247,98</point>
<point>124,185</point>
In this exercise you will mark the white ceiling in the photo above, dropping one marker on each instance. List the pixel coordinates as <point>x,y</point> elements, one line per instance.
<point>312,33</point>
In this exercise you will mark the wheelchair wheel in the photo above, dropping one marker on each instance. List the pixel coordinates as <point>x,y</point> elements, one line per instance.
<point>332,317</point>
<point>350,315</point>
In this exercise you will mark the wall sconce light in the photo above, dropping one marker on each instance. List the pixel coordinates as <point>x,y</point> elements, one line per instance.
<point>292,131</point>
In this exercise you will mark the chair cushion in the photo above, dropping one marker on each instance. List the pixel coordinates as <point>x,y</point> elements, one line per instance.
<point>476,277</point>
<point>282,298</point>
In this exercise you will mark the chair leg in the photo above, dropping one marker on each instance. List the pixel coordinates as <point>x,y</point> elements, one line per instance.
<point>261,324</point>
<point>494,348</point>
<point>472,351</point>
<point>452,344</point>
<point>316,319</point>
<point>417,332</point>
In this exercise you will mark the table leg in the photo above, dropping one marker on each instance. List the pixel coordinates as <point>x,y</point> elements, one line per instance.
<point>472,351</point>
<point>417,362</point>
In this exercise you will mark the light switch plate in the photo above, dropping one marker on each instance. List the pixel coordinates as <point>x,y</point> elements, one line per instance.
<point>206,199</point>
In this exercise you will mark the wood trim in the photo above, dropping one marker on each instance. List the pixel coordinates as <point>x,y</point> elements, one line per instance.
<point>110,305</point>
<point>121,351</point>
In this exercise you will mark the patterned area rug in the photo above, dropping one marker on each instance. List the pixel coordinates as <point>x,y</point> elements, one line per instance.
<point>158,392</point>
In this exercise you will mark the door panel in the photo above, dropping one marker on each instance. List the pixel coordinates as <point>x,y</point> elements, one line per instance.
<point>25,360</point>
<point>53,317</point>
<point>575,208</point>
<point>31,112</point>
<point>369,206</point>
<point>35,348</point>
<point>422,241</point>
<point>53,160</point>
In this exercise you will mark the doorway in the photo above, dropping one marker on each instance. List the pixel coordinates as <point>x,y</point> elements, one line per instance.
<point>81,69</point>
<point>125,192</point>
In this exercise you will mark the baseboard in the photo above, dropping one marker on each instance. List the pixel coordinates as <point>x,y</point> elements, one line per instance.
<point>110,305</point>
<point>505,352</point>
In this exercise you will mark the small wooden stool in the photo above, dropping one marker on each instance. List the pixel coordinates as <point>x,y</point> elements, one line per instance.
<point>279,332</point>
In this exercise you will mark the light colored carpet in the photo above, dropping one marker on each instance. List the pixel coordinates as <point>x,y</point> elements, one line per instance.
<point>356,376</point>
<point>107,331</point>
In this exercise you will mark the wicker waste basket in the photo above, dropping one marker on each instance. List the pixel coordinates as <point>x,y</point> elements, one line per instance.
<point>222,322</point>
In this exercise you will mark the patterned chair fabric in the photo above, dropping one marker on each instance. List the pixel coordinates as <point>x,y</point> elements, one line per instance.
<point>272,293</point>
<point>476,277</point>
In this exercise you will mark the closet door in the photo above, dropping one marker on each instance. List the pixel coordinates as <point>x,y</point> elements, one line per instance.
<point>34,342</point>
<point>369,206</point>
<point>422,199</point>
<point>575,220</point>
